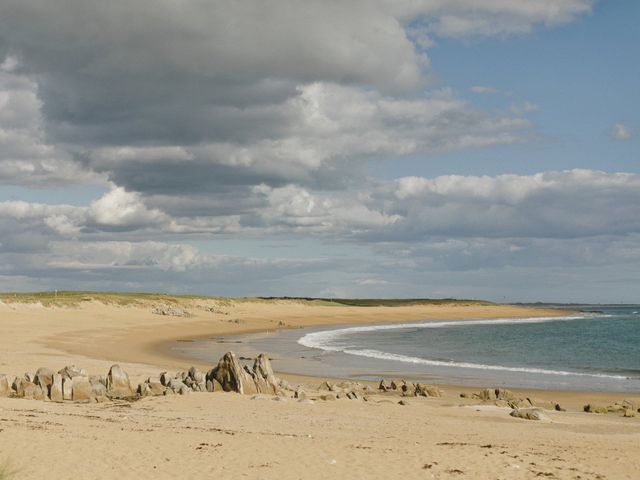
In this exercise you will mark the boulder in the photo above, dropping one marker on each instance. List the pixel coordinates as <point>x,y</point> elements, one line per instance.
<point>327,386</point>
<point>589,408</point>
<point>67,388</point>
<point>40,393</point>
<point>264,378</point>
<point>545,404</point>
<point>71,371</point>
<point>98,390</point>
<point>232,377</point>
<point>81,389</point>
<point>529,414</point>
<point>165,378</point>
<point>300,394</point>
<point>175,385</point>
<point>118,384</point>
<point>628,412</point>
<point>504,394</point>
<point>156,388</point>
<point>393,385</point>
<point>196,375</point>
<point>212,384</point>
<point>55,391</point>
<point>5,386</point>
<point>383,387</point>
<point>487,394</point>
<point>44,378</point>
<point>328,396</point>
<point>24,388</point>
<point>422,390</point>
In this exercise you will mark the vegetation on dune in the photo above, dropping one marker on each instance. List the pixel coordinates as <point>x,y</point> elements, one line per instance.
<point>72,298</point>
<point>386,302</point>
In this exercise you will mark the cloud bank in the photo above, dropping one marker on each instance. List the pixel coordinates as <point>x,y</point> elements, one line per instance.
<point>205,122</point>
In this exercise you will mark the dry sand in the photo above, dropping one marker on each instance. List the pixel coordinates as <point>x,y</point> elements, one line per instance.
<point>225,435</point>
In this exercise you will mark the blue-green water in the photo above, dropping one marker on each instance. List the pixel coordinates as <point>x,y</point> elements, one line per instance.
<point>584,351</point>
<point>598,351</point>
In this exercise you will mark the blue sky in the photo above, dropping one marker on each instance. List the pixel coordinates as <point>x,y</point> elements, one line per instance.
<point>388,149</point>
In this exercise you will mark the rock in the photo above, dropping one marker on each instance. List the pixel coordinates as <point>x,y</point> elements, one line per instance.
<point>278,398</point>
<point>196,375</point>
<point>118,384</point>
<point>55,391</point>
<point>95,379</point>
<point>232,377</point>
<point>40,393</point>
<point>427,391</point>
<point>212,384</point>
<point>98,389</point>
<point>284,385</point>
<point>5,386</point>
<point>589,408</point>
<point>353,396</point>
<point>143,390</point>
<point>328,397</point>
<point>328,386</point>
<point>156,388</point>
<point>24,388</point>
<point>165,378</point>
<point>468,395</point>
<point>71,371</point>
<point>184,390</point>
<point>44,378</point>
<point>81,389</point>
<point>264,378</point>
<point>67,388</point>
<point>300,394</point>
<point>383,386</point>
<point>504,394</point>
<point>403,402</point>
<point>487,394</point>
<point>529,414</point>
<point>175,384</point>
<point>393,385</point>
<point>628,412</point>
<point>545,404</point>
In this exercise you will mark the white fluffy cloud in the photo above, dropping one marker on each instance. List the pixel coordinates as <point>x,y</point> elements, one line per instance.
<point>620,131</point>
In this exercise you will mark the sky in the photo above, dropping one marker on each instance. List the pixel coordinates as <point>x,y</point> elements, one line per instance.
<point>380,148</point>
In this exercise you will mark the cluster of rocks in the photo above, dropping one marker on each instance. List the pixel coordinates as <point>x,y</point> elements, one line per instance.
<point>75,384</point>
<point>502,397</point>
<point>411,389</point>
<point>170,310</point>
<point>627,408</point>
<point>70,383</point>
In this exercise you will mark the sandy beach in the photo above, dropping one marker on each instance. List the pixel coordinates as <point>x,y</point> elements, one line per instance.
<point>227,435</point>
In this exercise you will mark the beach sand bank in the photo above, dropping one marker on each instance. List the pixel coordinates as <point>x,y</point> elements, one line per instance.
<point>230,436</point>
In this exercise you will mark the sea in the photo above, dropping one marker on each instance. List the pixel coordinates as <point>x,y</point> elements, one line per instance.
<point>595,349</point>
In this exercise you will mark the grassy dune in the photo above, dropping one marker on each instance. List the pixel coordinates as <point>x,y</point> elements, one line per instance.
<point>72,298</point>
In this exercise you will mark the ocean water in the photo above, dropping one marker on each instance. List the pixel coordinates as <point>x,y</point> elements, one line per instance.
<point>584,351</point>
<point>598,351</point>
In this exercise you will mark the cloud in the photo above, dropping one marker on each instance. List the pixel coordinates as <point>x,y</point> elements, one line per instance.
<point>523,108</point>
<point>620,131</point>
<point>482,89</point>
<point>463,18</point>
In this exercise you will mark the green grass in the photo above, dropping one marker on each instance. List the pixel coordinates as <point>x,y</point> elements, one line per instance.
<point>385,302</point>
<point>73,298</point>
